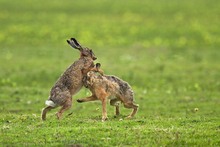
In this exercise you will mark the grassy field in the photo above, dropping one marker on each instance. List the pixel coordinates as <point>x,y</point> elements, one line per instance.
<point>167,50</point>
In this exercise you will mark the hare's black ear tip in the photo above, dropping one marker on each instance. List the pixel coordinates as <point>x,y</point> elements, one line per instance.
<point>73,39</point>
<point>98,64</point>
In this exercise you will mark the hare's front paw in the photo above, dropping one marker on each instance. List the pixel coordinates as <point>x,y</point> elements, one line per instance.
<point>104,119</point>
<point>79,101</point>
<point>58,115</point>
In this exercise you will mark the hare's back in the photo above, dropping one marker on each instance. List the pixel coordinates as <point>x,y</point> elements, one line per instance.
<point>124,86</point>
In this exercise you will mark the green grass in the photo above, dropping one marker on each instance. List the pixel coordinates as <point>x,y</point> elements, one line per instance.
<point>167,50</point>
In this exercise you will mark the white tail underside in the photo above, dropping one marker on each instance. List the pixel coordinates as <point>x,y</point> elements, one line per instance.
<point>50,103</point>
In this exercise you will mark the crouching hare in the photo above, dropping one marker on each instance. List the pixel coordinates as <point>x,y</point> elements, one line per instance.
<point>104,87</point>
<point>70,82</point>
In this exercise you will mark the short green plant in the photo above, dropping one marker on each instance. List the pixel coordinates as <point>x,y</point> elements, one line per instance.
<point>167,51</point>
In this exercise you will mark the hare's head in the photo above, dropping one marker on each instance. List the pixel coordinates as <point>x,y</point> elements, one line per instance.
<point>85,52</point>
<point>96,70</point>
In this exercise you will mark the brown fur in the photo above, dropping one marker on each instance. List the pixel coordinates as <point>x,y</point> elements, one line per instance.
<point>105,87</point>
<point>70,82</point>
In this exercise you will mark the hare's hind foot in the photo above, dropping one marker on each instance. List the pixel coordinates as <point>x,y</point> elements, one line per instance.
<point>130,116</point>
<point>65,107</point>
<point>58,115</point>
<point>44,112</point>
<point>135,108</point>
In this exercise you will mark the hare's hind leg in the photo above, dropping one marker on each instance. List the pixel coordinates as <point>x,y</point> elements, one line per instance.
<point>65,107</point>
<point>114,102</point>
<point>44,112</point>
<point>131,105</point>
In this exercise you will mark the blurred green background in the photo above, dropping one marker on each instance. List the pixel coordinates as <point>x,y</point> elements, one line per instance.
<point>167,50</point>
<point>140,35</point>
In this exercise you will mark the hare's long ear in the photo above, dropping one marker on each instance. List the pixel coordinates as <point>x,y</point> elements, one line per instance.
<point>97,65</point>
<point>74,43</point>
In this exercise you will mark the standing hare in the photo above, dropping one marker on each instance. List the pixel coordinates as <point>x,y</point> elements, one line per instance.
<point>104,87</point>
<point>70,82</point>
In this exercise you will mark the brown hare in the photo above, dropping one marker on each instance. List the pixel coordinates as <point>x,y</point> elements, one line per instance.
<point>105,87</point>
<point>70,82</point>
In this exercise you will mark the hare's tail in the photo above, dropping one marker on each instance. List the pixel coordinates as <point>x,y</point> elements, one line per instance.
<point>50,103</point>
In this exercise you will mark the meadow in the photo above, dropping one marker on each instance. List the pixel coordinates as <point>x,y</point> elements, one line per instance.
<point>168,51</point>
